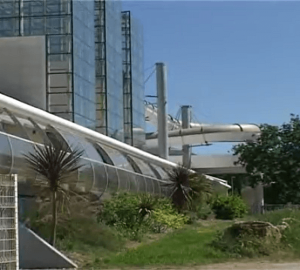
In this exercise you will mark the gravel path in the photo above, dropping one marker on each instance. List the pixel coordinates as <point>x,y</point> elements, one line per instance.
<point>251,266</point>
<point>234,266</point>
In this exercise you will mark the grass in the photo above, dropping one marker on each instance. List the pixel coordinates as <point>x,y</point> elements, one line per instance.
<point>187,246</point>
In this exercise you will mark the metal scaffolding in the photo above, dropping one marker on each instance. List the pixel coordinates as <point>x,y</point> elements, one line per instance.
<point>127,77</point>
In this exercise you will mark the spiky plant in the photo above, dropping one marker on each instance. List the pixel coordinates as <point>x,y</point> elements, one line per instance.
<point>55,164</point>
<point>179,185</point>
<point>201,188</point>
<point>146,204</point>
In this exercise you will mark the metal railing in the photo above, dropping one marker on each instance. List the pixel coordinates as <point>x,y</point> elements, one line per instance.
<point>9,245</point>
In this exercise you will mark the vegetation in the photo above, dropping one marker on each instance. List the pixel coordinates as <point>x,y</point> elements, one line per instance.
<point>80,237</point>
<point>229,207</point>
<point>136,214</point>
<point>250,245</point>
<point>107,240</point>
<point>187,189</point>
<point>187,246</point>
<point>291,239</point>
<point>55,165</point>
<point>274,159</point>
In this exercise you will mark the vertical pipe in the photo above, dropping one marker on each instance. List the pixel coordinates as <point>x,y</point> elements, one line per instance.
<point>21,18</point>
<point>161,83</point>
<point>186,121</point>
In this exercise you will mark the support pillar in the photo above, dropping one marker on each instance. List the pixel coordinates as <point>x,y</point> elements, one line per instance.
<point>162,114</point>
<point>186,122</point>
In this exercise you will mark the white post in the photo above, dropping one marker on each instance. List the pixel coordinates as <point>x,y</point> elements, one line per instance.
<point>162,114</point>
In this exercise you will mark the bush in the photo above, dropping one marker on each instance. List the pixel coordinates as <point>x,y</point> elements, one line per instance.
<point>229,207</point>
<point>290,239</point>
<point>135,214</point>
<point>203,211</point>
<point>163,220</point>
<point>244,245</point>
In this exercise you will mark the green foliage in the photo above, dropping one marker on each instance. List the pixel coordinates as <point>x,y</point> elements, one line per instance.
<point>291,239</point>
<point>249,245</point>
<point>276,156</point>
<point>126,212</point>
<point>201,190</point>
<point>55,164</point>
<point>163,220</point>
<point>134,214</point>
<point>179,185</point>
<point>203,211</point>
<point>229,207</point>
<point>244,245</point>
<point>187,188</point>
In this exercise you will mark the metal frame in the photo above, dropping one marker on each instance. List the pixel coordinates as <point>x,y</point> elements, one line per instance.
<point>100,30</point>
<point>127,77</point>
<point>9,248</point>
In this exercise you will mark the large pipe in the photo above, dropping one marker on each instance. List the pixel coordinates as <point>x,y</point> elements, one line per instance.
<point>45,118</point>
<point>186,149</point>
<point>161,83</point>
<point>26,111</point>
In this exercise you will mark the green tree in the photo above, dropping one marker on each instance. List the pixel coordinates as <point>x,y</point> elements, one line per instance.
<point>55,164</point>
<point>275,159</point>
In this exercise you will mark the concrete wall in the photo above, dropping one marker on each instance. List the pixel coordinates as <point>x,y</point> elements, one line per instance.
<point>35,253</point>
<point>23,69</point>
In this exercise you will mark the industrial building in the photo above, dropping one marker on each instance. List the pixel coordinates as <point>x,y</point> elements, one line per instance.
<point>89,65</point>
<point>73,71</point>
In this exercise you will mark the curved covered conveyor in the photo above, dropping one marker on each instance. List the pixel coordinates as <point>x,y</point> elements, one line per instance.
<point>108,165</point>
<point>207,134</point>
<point>212,164</point>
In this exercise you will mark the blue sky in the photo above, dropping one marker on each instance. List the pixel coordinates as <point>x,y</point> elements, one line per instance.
<point>234,62</point>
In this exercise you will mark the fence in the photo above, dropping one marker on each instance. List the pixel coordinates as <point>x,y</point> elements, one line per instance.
<point>9,246</point>
<point>273,207</point>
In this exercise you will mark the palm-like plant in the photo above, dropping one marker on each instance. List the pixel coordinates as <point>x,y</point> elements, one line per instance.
<point>55,164</point>
<point>186,187</point>
<point>201,188</point>
<point>179,185</point>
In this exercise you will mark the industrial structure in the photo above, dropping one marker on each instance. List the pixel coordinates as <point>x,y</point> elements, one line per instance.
<point>90,62</point>
<point>175,139</point>
<point>73,71</point>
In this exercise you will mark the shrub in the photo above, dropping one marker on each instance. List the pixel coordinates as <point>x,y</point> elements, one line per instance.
<point>290,239</point>
<point>244,245</point>
<point>162,220</point>
<point>229,207</point>
<point>134,214</point>
<point>127,213</point>
<point>203,211</point>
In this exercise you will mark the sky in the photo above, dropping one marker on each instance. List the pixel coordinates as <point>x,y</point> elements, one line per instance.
<point>233,61</point>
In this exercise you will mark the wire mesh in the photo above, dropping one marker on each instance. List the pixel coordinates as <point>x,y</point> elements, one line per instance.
<point>8,223</point>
